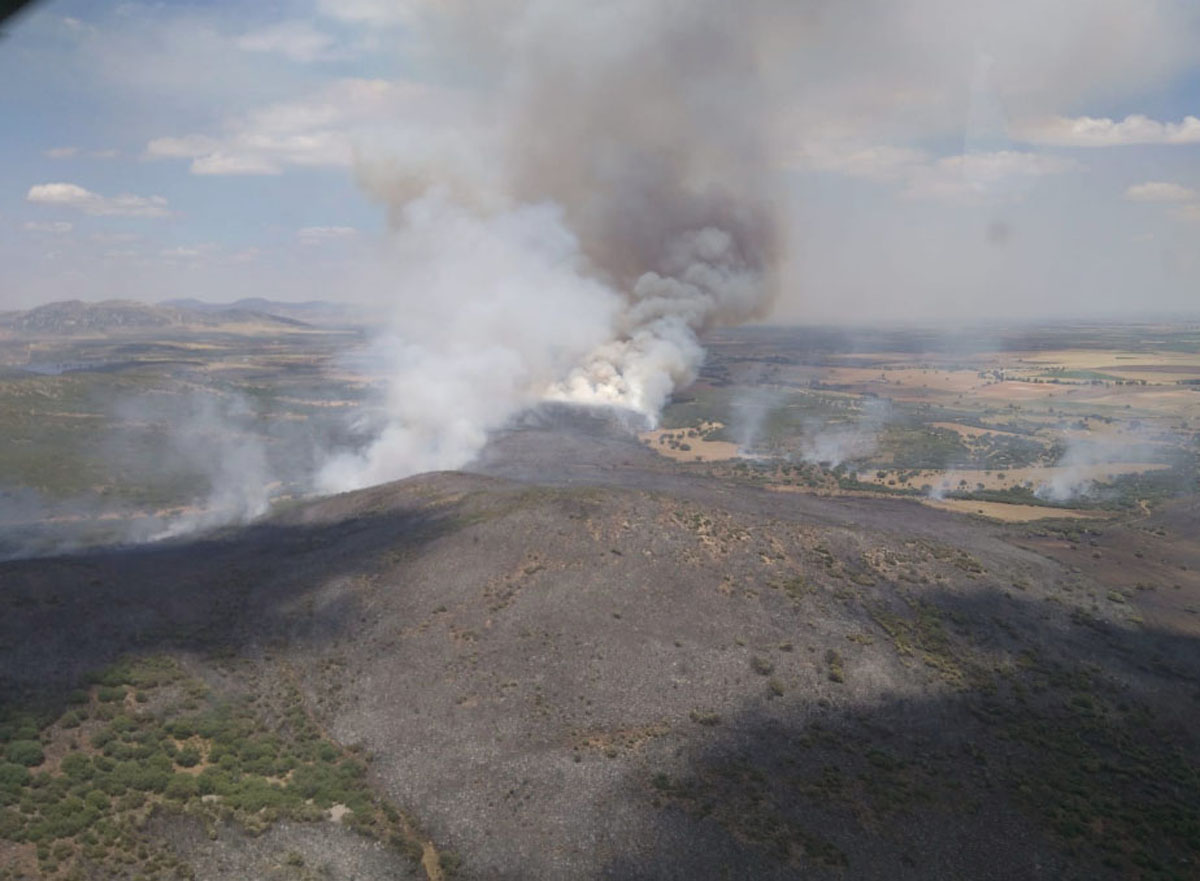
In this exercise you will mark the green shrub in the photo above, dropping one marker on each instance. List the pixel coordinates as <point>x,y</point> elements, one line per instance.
<point>131,801</point>
<point>25,752</point>
<point>213,781</point>
<point>182,729</point>
<point>253,794</point>
<point>77,766</point>
<point>328,784</point>
<point>12,827</point>
<point>20,728</point>
<point>183,787</point>
<point>65,818</point>
<point>327,752</point>
<point>149,776</point>
<point>188,757</point>
<point>13,776</point>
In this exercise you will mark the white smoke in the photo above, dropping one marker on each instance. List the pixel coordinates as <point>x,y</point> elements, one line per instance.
<point>214,440</point>
<point>831,444</point>
<point>180,462</point>
<point>1081,466</point>
<point>491,313</point>
<point>749,412</point>
<point>952,481</point>
<point>626,210</point>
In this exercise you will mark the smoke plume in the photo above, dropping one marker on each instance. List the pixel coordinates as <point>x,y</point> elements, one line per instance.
<point>830,444</point>
<point>1085,460</point>
<point>616,204</point>
<point>749,412</point>
<point>214,439</point>
<point>185,462</point>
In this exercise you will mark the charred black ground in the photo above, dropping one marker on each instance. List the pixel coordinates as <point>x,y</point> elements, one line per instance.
<point>586,662</point>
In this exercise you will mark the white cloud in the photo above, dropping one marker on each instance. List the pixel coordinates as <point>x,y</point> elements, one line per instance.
<point>186,147</point>
<point>319,130</point>
<point>1087,131</point>
<point>374,12</point>
<point>1002,175</point>
<point>313,235</point>
<point>1160,191</point>
<point>75,196</point>
<point>880,162</point>
<point>68,152</point>
<point>187,252</point>
<point>55,226</point>
<point>226,163</point>
<point>75,25</point>
<point>297,40</point>
<point>115,238</point>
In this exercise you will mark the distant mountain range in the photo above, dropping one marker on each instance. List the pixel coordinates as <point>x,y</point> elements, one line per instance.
<point>76,318</point>
<point>310,311</point>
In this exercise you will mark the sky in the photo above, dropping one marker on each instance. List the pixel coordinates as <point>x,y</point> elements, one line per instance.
<point>935,159</point>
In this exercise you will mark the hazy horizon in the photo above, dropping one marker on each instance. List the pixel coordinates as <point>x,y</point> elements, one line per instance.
<point>934,322</point>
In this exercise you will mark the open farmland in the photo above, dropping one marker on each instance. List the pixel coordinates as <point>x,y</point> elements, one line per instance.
<point>1067,417</point>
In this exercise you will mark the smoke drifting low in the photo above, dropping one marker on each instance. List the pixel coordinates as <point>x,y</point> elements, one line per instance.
<point>1086,462</point>
<point>182,462</point>
<point>213,440</point>
<point>831,444</point>
<point>617,206</point>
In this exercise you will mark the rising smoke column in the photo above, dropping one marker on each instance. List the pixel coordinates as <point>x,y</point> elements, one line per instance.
<point>632,136</point>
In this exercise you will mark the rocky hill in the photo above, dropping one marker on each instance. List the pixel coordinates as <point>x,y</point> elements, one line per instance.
<point>618,670</point>
<point>310,311</point>
<point>76,318</point>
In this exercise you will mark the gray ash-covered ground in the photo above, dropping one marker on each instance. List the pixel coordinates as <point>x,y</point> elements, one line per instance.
<point>587,662</point>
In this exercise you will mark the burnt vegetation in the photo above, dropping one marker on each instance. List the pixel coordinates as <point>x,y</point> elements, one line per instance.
<point>766,685</point>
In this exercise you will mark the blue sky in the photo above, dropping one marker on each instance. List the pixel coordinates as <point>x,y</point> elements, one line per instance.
<point>936,158</point>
